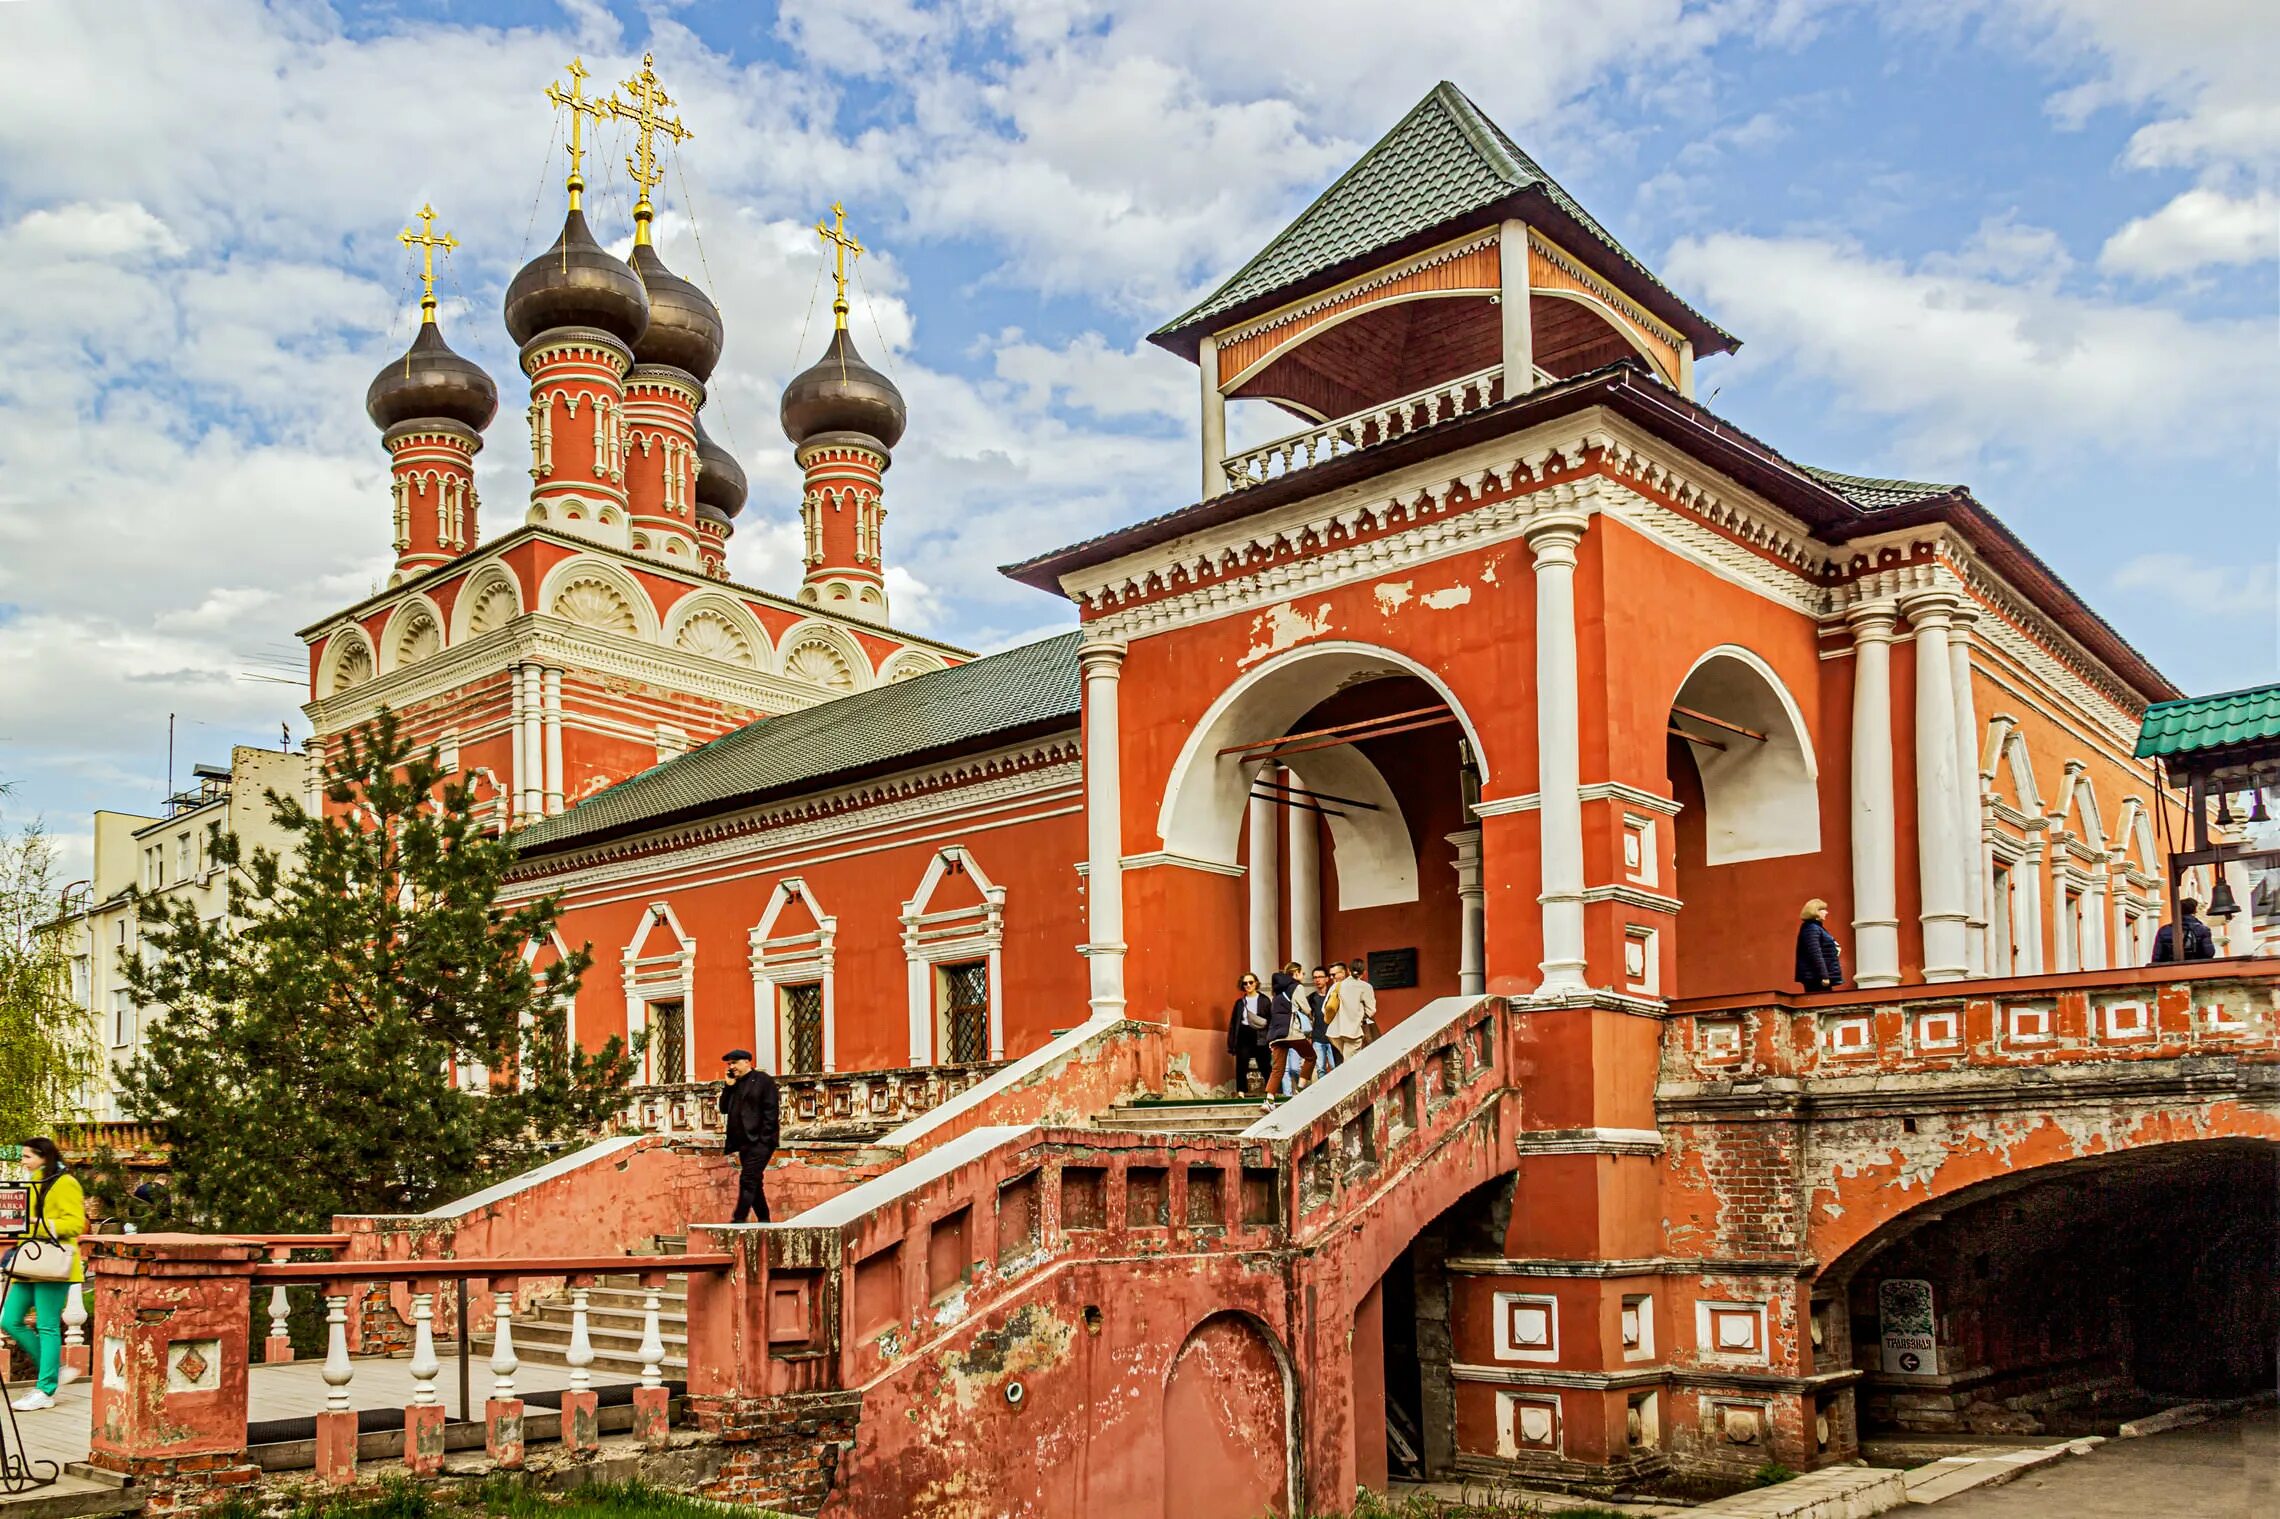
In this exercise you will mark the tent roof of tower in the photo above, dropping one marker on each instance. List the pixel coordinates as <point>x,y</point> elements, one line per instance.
<point>1025,692</point>
<point>1445,167</point>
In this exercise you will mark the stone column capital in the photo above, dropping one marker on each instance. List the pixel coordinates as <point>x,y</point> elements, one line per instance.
<point>1552,537</point>
<point>1932,607</point>
<point>1873,621</point>
<point>1102,657</point>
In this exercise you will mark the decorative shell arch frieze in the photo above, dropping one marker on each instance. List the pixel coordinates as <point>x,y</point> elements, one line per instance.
<point>488,600</point>
<point>594,593</point>
<point>415,633</point>
<point>719,628</point>
<point>824,654</point>
<point>347,661</point>
<point>908,664</point>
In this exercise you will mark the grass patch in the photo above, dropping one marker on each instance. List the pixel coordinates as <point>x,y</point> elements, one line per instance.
<point>496,1497</point>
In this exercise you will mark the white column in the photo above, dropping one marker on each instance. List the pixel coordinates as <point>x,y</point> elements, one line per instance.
<point>337,1370</point>
<point>531,783</point>
<point>2027,955</point>
<point>1214,420</point>
<point>1305,881</point>
<point>1969,791</point>
<point>1939,815</point>
<point>1512,307</point>
<point>1264,878</point>
<point>1103,665</point>
<point>1472,900</point>
<point>513,801</point>
<point>1559,750</point>
<point>1875,848</point>
<point>424,1364</point>
<point>503,1359</point>
<point>553,716</point>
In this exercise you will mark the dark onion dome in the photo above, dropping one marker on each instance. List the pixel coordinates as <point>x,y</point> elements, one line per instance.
<point>430,381</point>
<point>707,512</point>
<point>576,283</point>
<point>684,325</point>
<point>720,479</point>
<point>841,393</point>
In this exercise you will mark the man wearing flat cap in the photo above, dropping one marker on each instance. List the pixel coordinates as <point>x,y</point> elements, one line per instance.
<point>751,1104</point>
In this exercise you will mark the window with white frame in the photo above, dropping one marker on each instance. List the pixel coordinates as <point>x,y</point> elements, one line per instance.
<point>802,1016</point>
<point>962,997</point>
<point>1999,911</point>
<point>183,869</point>
<point>952,953</point>
<point>122,1019</point>
<point>81,981</point>
<point>792,981</point>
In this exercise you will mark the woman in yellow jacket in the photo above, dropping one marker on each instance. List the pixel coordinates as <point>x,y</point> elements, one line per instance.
<point>59,1207</point>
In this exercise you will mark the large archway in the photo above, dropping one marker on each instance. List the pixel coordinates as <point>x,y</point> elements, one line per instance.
<point>1335,780</point>
<point>1744,775</point>
<point>1230,1421</point>
<point>2067,1298</point>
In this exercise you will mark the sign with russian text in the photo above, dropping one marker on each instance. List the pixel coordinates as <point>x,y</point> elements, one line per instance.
<point>15,1208</point>
<point>1909,1330</point>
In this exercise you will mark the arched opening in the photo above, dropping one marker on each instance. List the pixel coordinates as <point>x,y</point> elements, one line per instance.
<point>1332,780</point>
<point>2066,1299</point>
<point>1743,774</point>
<point>1229,1423</point>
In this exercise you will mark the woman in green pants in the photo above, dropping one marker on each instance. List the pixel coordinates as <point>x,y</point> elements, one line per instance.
<point>59,1208</point>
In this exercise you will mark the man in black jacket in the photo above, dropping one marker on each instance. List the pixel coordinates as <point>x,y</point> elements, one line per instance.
<point>2200,944</point>
<point>752,1105</point>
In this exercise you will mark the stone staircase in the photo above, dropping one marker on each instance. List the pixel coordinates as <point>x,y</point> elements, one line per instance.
<point>613,1323</point>
<point>1184,1116</point>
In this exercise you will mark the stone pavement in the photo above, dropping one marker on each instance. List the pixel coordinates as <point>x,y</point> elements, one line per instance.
<point>2221,1470</point>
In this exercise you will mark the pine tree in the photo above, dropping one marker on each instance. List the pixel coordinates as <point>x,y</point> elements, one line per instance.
<point>305,1065</point>
<point>47,1041</point>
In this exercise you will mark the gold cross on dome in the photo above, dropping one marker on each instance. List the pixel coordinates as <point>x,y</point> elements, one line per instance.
<point>843,244</point>
<point>427,242</point>
<point>581,107</point>
<point>646,111</point>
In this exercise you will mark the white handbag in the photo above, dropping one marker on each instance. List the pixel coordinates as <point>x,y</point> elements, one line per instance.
<point>42,1260</point>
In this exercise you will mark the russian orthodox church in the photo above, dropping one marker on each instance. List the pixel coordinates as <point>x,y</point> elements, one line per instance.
<point>1512,671</point>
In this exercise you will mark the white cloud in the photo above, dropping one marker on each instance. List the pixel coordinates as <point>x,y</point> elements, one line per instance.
<point>1971,364</point>
<point>2199,228</point>
<point>2201,590</point>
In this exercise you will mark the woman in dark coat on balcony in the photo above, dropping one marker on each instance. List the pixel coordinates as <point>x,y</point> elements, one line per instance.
<point>1820,963</point>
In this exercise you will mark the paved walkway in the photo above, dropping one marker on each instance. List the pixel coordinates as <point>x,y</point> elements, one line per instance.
<point>2228,1469</point>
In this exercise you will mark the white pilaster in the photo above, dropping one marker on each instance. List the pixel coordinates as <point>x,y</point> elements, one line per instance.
<point>2028,957</point>
<point>1103,666</point>
<point>513,801</point>
<point>1264,878</point>
<point>1472,900</point>
<point>1559,749</point>
<point>1939,812</point>
<point>1970,791</point>
<point>531,783</point>
<point>1875,846</point>
<point>1214,420</point>
<point>1305,881</point>
<point>553,714</point>
<point>1512,306</point>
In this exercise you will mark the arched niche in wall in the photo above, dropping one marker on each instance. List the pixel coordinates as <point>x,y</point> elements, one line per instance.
<point>1761,799</point>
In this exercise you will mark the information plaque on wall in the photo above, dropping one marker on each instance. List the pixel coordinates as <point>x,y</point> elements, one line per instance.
<point>15,1208</point>
<point>1393,969</point>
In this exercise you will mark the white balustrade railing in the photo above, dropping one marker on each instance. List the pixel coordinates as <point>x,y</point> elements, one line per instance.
<point>503,1360</point>
<point>338,1371</point>
<point>425,1364</point>
<point>580,1355</point>
<point>652,1346</point>
<point>1368,427</point>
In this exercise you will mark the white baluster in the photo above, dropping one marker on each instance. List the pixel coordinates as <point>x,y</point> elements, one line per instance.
<point>652,1347</point>
<point>503,1362</point>
<point>581,1352</point>
<point>74,1317</point>
<point>424,1365</point>
<point>278,1312</point>
<point>337,1370</point>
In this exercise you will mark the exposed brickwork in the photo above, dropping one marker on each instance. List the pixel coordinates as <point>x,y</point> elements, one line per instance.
<point>785,1451</point>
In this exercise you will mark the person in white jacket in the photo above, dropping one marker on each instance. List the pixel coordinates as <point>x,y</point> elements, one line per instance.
<point>1355,1004</point>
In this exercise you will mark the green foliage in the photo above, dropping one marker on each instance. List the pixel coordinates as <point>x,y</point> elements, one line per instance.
<point>1772,1474</point>
<point>48,1052</point>
<point>496,1497</point>
<point>303,1068</point>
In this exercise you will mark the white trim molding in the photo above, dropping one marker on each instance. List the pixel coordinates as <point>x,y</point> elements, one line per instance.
<point>957,934</point>
<point>792,959</point>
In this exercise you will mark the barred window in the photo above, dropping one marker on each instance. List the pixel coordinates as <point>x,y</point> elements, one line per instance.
<point>803,1028</point>
<point>965,995</point>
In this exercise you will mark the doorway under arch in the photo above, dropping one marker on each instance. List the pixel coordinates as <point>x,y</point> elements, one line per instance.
<point>1230,1424</point>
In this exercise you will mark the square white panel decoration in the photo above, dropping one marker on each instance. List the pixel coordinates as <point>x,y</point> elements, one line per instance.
<point>1848,1035</point>
<point>2027,1025</point>
<point>2216,1016</point>
<point>1527,1327</point>
<point>1719,1038</point>
<point>1731,1331</point>
<point>1527,1424</point>
<point>1939,1029</point>
<point>2121,1021</point>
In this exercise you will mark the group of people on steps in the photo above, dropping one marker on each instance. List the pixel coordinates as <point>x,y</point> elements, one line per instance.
<point>1293,1032</point>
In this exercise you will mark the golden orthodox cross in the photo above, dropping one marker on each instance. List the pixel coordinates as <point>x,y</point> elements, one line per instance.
<point>842,246</point>
<point>427,242</point>
<point>580,108</point>
<point>645,110</point>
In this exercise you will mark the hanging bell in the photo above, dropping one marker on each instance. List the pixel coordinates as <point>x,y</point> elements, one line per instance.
<point>2222,902</point>
<point>2224,809</point>
<point>2256,812</point>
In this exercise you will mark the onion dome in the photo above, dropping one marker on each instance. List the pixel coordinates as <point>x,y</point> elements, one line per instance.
<point>841,393</point>
<point>720,479</point>
<point>576,283</point>
<point>432,381</point>
<point>684,325</point>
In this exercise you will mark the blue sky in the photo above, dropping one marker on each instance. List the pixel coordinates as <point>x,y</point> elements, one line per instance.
<point>2025,244</point>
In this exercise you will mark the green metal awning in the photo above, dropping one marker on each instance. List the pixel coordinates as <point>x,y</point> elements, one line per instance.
<point>2198,724</point>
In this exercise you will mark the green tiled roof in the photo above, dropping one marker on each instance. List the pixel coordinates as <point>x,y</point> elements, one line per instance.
<point>1442,160</point>
<point>2211,722</point>
<point>1034,685</point>
<point>1873,495</point>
